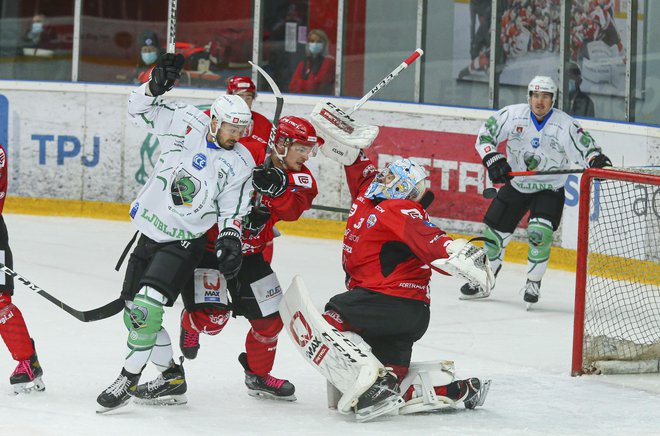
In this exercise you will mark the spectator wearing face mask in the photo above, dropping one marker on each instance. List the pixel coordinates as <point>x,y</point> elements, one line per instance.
<point>315,74</point>
<point>580,104</point>
<point>38,34</point>
<point>150,51</point>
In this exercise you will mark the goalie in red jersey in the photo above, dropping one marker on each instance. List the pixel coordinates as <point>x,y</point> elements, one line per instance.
<point>390,248</point>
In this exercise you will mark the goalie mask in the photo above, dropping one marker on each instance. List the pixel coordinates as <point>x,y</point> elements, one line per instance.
<point>401,179</point>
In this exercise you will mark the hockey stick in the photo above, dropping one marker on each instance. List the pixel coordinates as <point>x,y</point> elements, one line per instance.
<point>492,192</point>
<point>273,130</point>
<point>342,119</point>
<point>110,309</point>
<point>171,26</point>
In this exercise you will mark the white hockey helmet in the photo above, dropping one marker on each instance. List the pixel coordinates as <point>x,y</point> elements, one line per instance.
<point>401,179</point>
<point>542,84</point>
<point>230,109</point>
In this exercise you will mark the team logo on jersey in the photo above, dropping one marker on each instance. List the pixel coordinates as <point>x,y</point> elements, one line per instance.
<point>517,132</point>
<point>199,161</point>
<point>302,179</point>
<point>413,213</point>
<point>371,220</point>
<point>184,188</point>
<point>536,142</point>
<point>532,161</point>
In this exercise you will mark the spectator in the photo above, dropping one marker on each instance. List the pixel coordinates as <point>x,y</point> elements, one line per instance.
<point>580,104</point>
<point>150,52</point>
<point>39,35</point>
<point>315,74</point>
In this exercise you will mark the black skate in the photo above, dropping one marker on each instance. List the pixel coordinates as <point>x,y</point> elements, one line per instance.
<point>188,341</point>
<point>167,389</point>
<point>268,386</point>
<point>381,398</point>
<point>532,290</point>
<point>26,377</point>
<point>475,392</point>
<point>118,394</point>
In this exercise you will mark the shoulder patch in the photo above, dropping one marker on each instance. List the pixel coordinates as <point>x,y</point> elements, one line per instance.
<point>302,179</point>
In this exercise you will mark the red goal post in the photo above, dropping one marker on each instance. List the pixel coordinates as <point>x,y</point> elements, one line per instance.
<point>617,288</point>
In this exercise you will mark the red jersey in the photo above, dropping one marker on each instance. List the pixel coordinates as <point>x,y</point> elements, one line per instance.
<point>388,245</point>
<point>297,198</point>
<point>3,177</point>
<point>311,78</point>
<point>260,128</point>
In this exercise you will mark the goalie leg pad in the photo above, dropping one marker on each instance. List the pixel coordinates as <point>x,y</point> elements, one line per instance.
<point>419,386</point>
<point>343,363</point>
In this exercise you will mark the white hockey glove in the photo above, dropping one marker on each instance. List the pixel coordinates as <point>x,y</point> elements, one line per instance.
<point>344,137</point>
<point>467,261</point>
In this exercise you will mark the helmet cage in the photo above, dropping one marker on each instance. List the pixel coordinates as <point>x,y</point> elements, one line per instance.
<point>402,179</point>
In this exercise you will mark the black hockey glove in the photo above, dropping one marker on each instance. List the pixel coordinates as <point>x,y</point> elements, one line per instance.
<point>498,167</point>
<point>166,72</point>
<point>255,221</point>
<point>229,249</point>
<point>600,161</point>
<point>271,182</point>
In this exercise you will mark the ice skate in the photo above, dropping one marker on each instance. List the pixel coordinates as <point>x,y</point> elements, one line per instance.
<point>118,394</point>
<point>532,290</point>
<point>26,377</point>
<point>267,386</point>
<point>476,392</point>
<point>168,389</point>
<point>472,291</point>
<point>381,398</point>
<point>188,341</point>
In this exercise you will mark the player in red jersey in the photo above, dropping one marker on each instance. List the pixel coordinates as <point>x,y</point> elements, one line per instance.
<point>244,87</point>
<point>27,375</point>
<point>288,188</point>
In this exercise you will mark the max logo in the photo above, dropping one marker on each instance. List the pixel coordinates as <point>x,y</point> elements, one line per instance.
<point>300,330</point>
<point>209,284</point>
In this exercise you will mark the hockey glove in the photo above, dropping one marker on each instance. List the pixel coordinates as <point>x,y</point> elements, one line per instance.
<point>498,167</point>
<point>271,182</point>
<point>600,161</point>
<point>166,72</point>
<point>256,220</point>
<point>229,249</point>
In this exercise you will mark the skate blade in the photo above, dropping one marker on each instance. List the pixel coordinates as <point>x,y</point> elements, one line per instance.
<point>386,406</point>
<point>102,409</point>
<point>528,306</point>
<point>36,385</point>
<point>477,296</point>
<point>417,405</point>
<point>269,396</point>
<point>483,391</point>
<point>167,400</point>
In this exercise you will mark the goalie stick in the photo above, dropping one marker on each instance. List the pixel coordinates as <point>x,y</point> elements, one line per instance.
<point>334,114</point>
<point>106,311</point>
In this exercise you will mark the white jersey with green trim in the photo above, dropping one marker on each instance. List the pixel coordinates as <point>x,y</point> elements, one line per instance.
<point>194,183</point>
<point>559,142</point>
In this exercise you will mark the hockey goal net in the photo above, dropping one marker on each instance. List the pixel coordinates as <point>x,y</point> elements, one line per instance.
<point>617,293</point>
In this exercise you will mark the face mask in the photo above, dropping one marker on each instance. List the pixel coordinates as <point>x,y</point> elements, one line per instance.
<point>315,47</point>
<point>571,86</point>
<point>149,57</point>
<point>37,27</point>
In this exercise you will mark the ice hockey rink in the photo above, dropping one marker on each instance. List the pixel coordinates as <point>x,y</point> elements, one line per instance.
<point>526,353</point>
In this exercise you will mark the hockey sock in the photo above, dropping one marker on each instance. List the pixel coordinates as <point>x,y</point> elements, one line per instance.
<point>161,354</point>
<point>495,251</point>
<point>146,318</point>
<point>539,234</point>
<point>13,330</point>
<point>261,344</point>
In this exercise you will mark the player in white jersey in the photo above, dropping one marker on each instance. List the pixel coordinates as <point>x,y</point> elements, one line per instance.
<point>538,138</point>
<point>202,178</point>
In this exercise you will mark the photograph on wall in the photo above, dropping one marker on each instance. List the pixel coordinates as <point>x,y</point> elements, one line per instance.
<point>530,39</point>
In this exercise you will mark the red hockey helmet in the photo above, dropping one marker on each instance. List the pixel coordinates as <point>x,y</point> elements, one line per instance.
<point>239,84</point>
<point>298,130</point>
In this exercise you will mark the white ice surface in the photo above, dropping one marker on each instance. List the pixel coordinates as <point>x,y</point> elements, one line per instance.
<point>527,354</point>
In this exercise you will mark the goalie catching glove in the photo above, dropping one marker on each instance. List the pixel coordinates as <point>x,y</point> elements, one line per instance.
<point>344,137</point>
<point>467,261</point>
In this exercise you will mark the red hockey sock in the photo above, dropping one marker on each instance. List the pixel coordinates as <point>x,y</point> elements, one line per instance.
<point>261,344</point>
<point>335,319</point>
<point>13,330</point>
